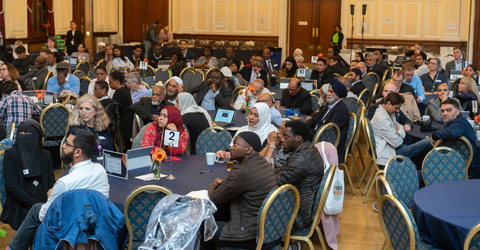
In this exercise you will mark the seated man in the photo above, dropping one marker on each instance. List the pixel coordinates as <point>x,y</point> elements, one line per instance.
<point>100,92</point>
<point>149,108</point>
<point>367,80</point>
<point>101,73</point>
<point>334,64</point>
<point>370,61</point>
<point>321,73</point>
<point>422,68</point>
<point>35,78</point>
<point>457,126</point>
<point>353,64</point>
<point>101,52</point>
<point>242,194</point>
<point>434,77</point>
<point>380,62</point>
<point>228,77</point>
<point>296,97</point>
<point>357,84</point>
<point>457,63</point>
<point>255,71</point>
<point>137,89</point>
<point>417,49</point>
<point>389,134</point>
<point>237,77</point>
<point>269,64</point>
<point>24,62</point>
<point>351,99</point>
<point>336,112</point>
<point>304,169</point>
<point>137,57</point>
<point>213,93</point>
<point>63,81</point>
<point>301,65</point>
<point>174,87</point>
<point>83,174</point>
<point>401,118</point>
<point>434,110</point>
<point>267,98</point>
<point>257,85</point>
<point>156,56</point>
<point>414,81</point>
<point>230,55</point>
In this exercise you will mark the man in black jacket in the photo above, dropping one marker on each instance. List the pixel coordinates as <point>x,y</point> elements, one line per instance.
<point>73,39</point>
<point>321,73</point>
<point>296,97</point>
<point>149,108</point>
<point>336,67</point>
<point>213,93</point>
<point>357,84</point>
<point>335,112</point>
<point>156,56</point>
<point>255,71</point>
<point>177,63</point>
<point>35,78</point>
<point>304,169</point>
<point>24,62</point>
<point>372,66</point>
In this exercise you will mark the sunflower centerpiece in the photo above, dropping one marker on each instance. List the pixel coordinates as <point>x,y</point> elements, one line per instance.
<point>158,155</point>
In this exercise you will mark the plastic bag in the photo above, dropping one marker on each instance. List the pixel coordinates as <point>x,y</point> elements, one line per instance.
<point>334,203</point>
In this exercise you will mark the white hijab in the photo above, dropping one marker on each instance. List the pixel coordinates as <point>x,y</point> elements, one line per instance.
<point>187,104</point>
<point>264,125</point>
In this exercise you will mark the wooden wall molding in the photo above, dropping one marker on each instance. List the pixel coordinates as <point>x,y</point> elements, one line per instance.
<point>390,42</point>
<point>226,37</point>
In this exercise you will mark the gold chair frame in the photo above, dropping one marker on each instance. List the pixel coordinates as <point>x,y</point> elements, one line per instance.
<point>322,130</point>
<point>150,67</point>
<point>439,149</point>
<point>84,61</point>
<point>237,89</point>
<point>211,69</point>
<point>101,61</point>
<point>185,70</point>
<point>373,162</point>
<point>375,74</point>
<point>146,85</point>
<point>475,229</point>
<point>127,204</point>
<point>355,141</point>
<point>77,71</point>
<point>464,139</point>
<point>49,75</point>
<point>12,131</point>
<point>50,106</point>
<point>344,164</point>
<point>381,180</point>
<point>390,198</point>
<point>318,214</point>
<point>369,100</point>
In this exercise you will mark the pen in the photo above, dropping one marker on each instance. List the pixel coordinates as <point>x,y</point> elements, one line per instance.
<point>204,172</point>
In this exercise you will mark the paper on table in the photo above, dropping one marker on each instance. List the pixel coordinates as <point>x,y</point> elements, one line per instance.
<point>202,194</point>
<point>233,128</point>
<point>149,177</point>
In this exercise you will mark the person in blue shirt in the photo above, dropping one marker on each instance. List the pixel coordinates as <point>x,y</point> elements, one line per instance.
<point>414,81</point>
<point>268,99</point>
<point>63,81</point>
<point>137,89</point>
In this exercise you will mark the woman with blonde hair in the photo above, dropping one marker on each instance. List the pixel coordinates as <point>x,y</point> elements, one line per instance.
<point>467,92</point>
<point>89,114</point>
<point>109,54</point>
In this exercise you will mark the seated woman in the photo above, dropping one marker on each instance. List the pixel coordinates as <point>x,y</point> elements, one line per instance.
<point>28,172</point>
<point>170,119</point>
<point>89,114</point>
<point>471,71</point>
<point>208,61</point>
<point>82,56</point>
<point>195,117</point>
<point>120,60</point>
<point>259,122</point>
<point>359,57</point>
<point>108,54</point>
<point>289,69</point>
<point>467,92</point>
<point>51,44</point>
<point>8,72</point>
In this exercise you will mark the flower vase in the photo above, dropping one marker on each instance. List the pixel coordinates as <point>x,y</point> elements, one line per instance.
<point>247,110</point>
<point>156,171</point>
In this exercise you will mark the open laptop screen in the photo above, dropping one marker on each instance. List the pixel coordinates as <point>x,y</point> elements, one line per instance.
<point>224,115</point>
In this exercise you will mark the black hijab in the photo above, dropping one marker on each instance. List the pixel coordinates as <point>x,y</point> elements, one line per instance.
<point>29,147</point>
<point>8,55</point>
<point>293,70</point>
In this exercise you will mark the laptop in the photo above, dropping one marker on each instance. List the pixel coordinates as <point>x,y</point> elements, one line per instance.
<point>309,85</point>
<point>224,117</point>
<point>454,74</point>
<point>401,59</point>
<point>284,83</point>
<point>465,114</point>
<point>163,64</point>
<point>149,80</point>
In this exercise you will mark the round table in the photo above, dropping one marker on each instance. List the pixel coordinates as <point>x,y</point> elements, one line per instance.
<point>415,135</point>
<point>445,212</point>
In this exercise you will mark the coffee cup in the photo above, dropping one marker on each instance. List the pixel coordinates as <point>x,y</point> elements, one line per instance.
<point>211,158</point>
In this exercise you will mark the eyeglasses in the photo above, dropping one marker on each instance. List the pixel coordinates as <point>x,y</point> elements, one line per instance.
<point>432,63</point>
<point>442,90</point>
<point>262,100</point>
<point>86,111</point>
<point>68,144</point>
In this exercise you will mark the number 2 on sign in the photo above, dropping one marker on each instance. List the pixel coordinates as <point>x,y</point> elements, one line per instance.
<point>171,137</point>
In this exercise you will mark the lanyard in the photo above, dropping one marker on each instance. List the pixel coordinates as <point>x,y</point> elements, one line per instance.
<point>434,81</point>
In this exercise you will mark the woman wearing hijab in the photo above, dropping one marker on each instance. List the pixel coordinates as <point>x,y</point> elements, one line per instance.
<point>288,70</point>
<point>359,57</point>
<point>7,55</point>
<point>28,172</point>
<point>171,119</point>
<point>194,117</point>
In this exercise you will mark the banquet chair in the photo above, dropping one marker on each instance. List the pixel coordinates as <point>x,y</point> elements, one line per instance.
<point>316,92</point>
<point>84,82</point>
<point>360,115</point>
<point>196,79</point>
<point>383,187</point>
<point>472,242</point>
<point>321,198</point>
<point>236,93</point>
<point>149,72</point>
<point>146,85</point>
<point>91,74</point>
<point>137,209</point>
<point>276,217</point>
<point>365,97</point>
<point>443,164</point>
<point>375,77</point>
<point>54,122</point>
<point>162,75</point>
<point>84,67</point>
<point>10,130</point>
<point>137,141</point>
<point>375,91</point>
<point>398,225</point>
<point>336,75</point>
<point>315,104</point>
<point>222,62</point>
<point>3,188</point>
<point>101,62</point>
<point>188,78</point>
<point>377,170</point>
<point>212,141</point>
<point>462,146</point>
<point>328,132</point>
<point>350,134</point>
<point>79,74</point>
<point>401,174</point>
<point>208,74</point>
<point>49,75</point>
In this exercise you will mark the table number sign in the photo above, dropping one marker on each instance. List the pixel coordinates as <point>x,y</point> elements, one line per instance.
<point>171,137</point>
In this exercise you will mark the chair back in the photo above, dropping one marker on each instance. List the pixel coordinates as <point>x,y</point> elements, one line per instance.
<point>443,164</point>
<point>150,71</point>
<point>222,62</point>
<point>185,70</point>
<point>137,209</point>
<point>54,122</point>
<point>101,62</point>
<point>315,104</point>
<point>472,242</point>
<point>383,187</point>
<point>84,67</point>
<point>211,140</point>
<point>79,73</point>
<point>461,145</point>
<point>370,138</point>
<point>365,97</point>
<point>401,174</point>
<point>137,141</point>
<point>352,126</point>
<point>329,132</point>
<point>162,75</point>
<point>3,188</point>
<point>316,92</point>
<point>198,59</point>
<point>91,74</point>
<point>374,76</point>
<point>188,78</point>
<point>236,93</point>
<point>336,75</point>
<point>84,82</point>
<point>277,215</point>
<point>397,224</point>
<point>11,130</point>
<point>210,71</point>
<point>49,75</point>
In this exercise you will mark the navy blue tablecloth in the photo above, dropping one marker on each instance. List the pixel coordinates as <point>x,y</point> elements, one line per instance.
<point>415,135</point>
<point>445,212</point>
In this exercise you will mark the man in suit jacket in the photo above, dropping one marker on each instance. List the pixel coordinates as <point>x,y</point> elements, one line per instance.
<point>187,54</point>
<point>335,112</point>
<point>296,97</point>
<point>269,64</point>
<point>372,66</point>
<point>336,67</point>
<point>457,64</point>
<point>253,72</point>
<point>379,61</point>
<point>73,39</point>
<point>213,93</point>
<point>367,80</point>
<point>357,84</point>
<point>149,108</point>
<point>321,73</point>
<point>156,56</point>
<point>434,110</point>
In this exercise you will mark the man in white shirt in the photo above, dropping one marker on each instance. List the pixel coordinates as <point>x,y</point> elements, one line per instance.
<point>422,69</point>
<point>101,73</point>
<point>83,174</point>
<point>257,85</point>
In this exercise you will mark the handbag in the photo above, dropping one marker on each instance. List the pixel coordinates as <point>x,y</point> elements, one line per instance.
<point>334,203</point>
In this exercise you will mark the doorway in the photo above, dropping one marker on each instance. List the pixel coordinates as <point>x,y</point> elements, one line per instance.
<point>138,15</point>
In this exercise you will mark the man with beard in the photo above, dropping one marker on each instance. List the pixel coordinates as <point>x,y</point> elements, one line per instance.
<point>149,108</point>
<point>213,93</point>
<point>257,85</point>
<point>239,80</point>
<point>83,174</point>
<point>101,52</point>
<point>335,112</point>
<point>321,73</point>
<point>174,87</point>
